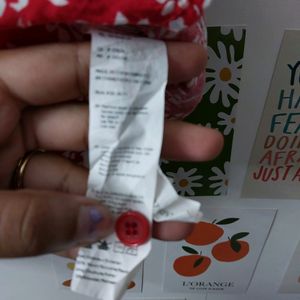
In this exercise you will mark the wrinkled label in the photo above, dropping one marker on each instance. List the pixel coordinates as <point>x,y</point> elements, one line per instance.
<point>128,77</point>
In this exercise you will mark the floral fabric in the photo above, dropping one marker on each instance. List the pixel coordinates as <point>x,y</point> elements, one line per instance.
<point>27,22</point>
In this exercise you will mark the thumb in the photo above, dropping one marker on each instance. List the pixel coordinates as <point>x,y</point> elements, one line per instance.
<point>35,222</point>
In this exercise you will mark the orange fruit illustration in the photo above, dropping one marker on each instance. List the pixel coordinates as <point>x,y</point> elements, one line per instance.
<point>191,265</point>
<point>205,233</point>
<point>131,285</point>
<point>232,250</point>
<point>67,283</point>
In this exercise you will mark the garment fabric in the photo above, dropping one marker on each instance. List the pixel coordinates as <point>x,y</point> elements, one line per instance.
<point>29,22</point>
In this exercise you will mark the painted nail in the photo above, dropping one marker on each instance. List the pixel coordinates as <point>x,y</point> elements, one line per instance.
<point>90,224</point>
<point>95,216</point>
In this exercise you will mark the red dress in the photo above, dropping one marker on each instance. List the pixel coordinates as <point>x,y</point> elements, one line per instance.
<point>27,22</point>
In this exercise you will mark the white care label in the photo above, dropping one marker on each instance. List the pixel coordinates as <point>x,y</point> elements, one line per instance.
<point>128,77</point>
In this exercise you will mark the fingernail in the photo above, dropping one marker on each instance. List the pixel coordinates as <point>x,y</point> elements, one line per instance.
<point>92,224</point>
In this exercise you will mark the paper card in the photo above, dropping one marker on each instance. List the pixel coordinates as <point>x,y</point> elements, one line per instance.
<point>63,268</point>
<point>217,109</point>
<point>221,254</point>
<point>291,280</point>
<point>274,167</point>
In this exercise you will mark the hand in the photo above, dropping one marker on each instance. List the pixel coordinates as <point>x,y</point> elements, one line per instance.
<point>37,86</point>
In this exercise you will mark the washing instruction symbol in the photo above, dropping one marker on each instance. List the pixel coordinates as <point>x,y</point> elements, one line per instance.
<point>205,234</point>
<point>121,248</point>
<point>103,245</point>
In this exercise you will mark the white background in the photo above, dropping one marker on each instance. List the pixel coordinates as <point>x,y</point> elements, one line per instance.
<point>266,21</point>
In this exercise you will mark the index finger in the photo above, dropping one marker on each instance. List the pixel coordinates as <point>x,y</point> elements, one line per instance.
<point>54,73</point>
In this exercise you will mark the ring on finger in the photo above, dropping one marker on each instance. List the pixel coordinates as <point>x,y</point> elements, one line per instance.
<point>18,175</point>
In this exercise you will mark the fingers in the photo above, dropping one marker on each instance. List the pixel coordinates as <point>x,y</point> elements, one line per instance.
<point>9,114</point>
<point>48,171</point>
<point>61,71</point>
<point>187,142</point>
<point>53,172</point>
<point>33,222</point>
<point>57,127</point>
<point>185,60</point>
<point>172,230</point>
<point>165,231</point>
<point>43,127</point>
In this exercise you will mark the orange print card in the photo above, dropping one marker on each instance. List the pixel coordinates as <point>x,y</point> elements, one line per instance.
<point>221,253</point>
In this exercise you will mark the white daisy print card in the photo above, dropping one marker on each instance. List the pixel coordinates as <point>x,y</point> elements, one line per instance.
<point>221,254</point>
<point>291,280</point>
<point>274,167</point>
<point>217,109</point>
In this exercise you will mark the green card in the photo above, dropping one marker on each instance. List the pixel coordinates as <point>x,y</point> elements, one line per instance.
<point>217,110</point>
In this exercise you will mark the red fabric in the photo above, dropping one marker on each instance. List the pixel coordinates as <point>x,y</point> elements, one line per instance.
<point>26,22</point>
<point>158,12</point>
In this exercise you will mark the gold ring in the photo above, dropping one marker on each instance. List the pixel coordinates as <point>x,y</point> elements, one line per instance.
<point>18,175</point>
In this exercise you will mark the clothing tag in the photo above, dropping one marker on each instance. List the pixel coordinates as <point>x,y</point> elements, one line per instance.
<point>128,77</point>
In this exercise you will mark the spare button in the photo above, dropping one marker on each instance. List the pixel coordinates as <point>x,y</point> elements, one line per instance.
<point>133,228</point>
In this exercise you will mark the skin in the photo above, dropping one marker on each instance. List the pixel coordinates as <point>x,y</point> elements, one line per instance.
<point>37,110</point>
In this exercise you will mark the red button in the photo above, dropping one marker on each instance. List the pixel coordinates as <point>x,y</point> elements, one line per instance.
<point>133,228</point>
